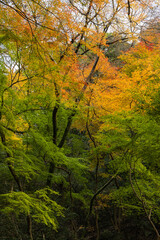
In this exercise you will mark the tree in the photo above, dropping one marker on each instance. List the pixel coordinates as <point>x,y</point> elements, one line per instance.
<point>131,137</point>
<point>54,55</point>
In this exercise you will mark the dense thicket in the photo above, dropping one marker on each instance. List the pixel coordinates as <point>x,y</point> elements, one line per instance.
<point>79,120</point>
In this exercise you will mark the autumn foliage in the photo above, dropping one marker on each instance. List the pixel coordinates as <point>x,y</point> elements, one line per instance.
<point>79,120</point>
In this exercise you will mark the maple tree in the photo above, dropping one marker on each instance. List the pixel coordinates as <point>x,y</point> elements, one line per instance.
<point>131,137</point>
<point>57,86</point>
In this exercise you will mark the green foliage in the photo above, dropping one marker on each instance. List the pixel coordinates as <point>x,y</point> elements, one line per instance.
<point>133,140</point>
<point>42,208</point>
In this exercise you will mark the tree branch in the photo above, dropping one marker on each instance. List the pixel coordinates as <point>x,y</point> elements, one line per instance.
<point>97,193</point>
<point>69,122</point>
